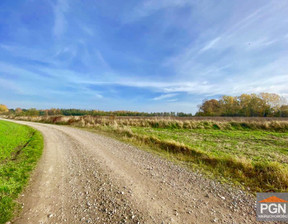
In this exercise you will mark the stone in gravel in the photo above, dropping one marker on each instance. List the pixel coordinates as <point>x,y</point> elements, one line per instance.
<point>50,215</point>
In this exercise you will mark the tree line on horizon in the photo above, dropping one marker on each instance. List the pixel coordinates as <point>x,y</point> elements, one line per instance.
<point>79,112</point>
<point>245,105</point>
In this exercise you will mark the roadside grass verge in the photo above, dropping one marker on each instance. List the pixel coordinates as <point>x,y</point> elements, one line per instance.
<point>20,149</point>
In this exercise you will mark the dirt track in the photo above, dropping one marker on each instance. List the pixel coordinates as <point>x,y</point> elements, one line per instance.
<point>87,178</point>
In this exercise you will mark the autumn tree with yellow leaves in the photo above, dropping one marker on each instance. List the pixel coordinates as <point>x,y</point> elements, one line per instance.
<point>3,109</point>
<point>246,105</point>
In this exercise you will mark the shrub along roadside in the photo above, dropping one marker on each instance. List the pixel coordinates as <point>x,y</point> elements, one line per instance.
<point>15,169</point>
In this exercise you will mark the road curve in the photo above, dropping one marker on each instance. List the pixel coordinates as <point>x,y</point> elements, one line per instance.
<point>84,177</point>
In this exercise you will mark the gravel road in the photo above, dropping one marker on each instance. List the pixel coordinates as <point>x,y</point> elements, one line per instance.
<point>83,177</point>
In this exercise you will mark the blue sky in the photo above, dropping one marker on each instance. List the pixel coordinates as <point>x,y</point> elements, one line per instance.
<point>164,55</point>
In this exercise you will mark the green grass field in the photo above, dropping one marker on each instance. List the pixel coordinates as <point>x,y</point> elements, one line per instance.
<point>20,148</point>
<point>251,145</point>
<point>254,159</point>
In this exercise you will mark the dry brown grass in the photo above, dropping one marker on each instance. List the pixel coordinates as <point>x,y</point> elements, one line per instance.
<point>221,123</point>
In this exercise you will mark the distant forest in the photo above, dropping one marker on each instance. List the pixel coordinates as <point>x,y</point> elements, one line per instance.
<point>245,105</point>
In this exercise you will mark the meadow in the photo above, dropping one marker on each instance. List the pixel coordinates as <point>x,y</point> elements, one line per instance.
<point>249,152</point>
<point>20,148</point>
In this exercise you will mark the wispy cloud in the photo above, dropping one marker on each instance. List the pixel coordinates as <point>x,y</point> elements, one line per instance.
<point>60,21</point>
<point>233,85</point>
<point>210,45</point>
<point>224,39</point>
<point>103,61</point>
<point>87,29</point>
<point>9,85</point>
<point>172,100</point>
<point>146,8</point>
<point>165,96</point>
<point>17,71</point>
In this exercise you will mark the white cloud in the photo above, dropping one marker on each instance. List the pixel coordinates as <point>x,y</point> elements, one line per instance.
<point>9,85</point>
<point>230,37</point>
<point>210,45</point>
<point>59,20</point>
<point>165,96</point>
<point>257,80</point>
<point>146,8</point>
<point>18,72</point>
<point>173,100</point>
<point>164,87</point>
<point>87,29</point>
<point>103,62</point>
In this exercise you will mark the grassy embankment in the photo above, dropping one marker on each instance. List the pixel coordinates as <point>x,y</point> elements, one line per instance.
<point>249,152</point>
<point>20,148</point>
